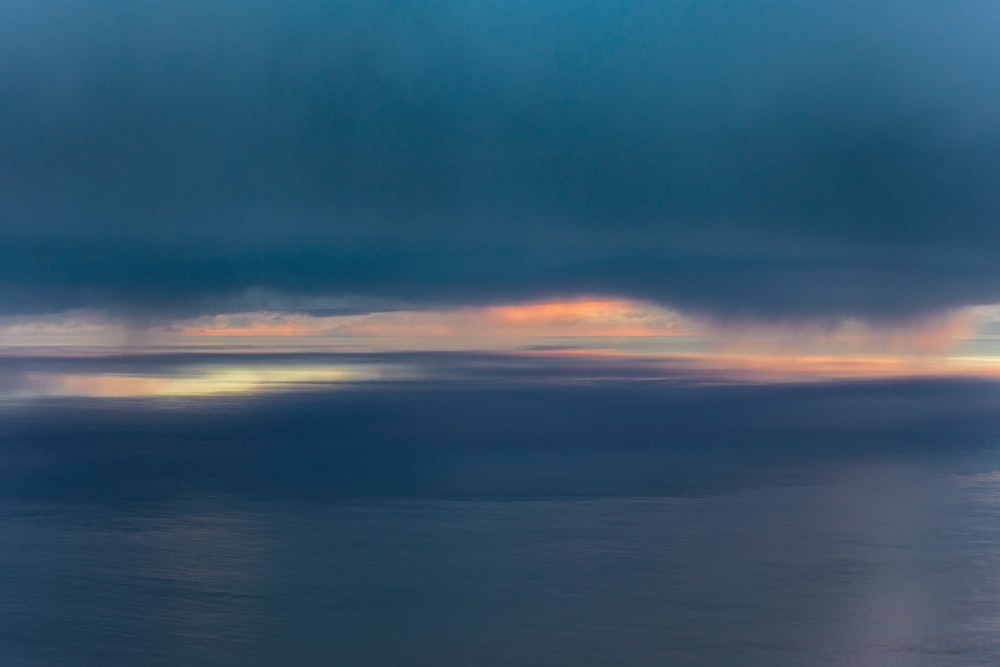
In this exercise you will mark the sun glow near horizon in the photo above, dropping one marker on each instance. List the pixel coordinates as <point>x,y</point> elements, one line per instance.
<point>962,343</point>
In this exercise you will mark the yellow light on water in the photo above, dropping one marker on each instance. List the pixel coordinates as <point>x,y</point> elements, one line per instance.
<point>203,382</point>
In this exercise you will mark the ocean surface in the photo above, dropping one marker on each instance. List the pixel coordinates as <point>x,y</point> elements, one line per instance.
<point>505,522</point>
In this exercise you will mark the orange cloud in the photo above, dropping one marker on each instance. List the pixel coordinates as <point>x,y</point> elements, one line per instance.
<point>610,317</point>
<point>555,318</point>
<point>928,337</point>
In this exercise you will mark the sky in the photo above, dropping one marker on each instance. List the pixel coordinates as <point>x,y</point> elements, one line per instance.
<point>658,178</point>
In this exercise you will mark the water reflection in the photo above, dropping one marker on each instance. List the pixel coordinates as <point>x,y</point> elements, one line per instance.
<point>195,373</point>
<point>203,380</point>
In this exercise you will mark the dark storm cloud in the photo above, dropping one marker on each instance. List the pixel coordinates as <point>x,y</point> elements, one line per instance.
<point>761,159</point>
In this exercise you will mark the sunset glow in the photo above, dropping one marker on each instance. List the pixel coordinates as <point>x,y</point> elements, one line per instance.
<point>198,382</point>
<point>584,317</point>
<point>959,343</point>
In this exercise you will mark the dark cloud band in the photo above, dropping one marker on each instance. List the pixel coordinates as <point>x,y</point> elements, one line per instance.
<point>761,161</point>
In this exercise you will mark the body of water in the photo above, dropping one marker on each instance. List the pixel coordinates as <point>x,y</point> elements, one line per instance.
<point>854,524</point>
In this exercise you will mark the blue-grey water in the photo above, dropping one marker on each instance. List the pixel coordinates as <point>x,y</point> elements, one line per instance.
<point>506,524</point>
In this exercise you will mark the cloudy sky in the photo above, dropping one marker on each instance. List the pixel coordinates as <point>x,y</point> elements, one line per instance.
<point>180,164</point>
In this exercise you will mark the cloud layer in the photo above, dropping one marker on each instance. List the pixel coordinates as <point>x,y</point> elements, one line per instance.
<point>765,161</point>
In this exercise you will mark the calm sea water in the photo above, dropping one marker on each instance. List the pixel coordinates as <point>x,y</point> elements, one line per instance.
<point>871,565</point>
<point>387,528</point>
